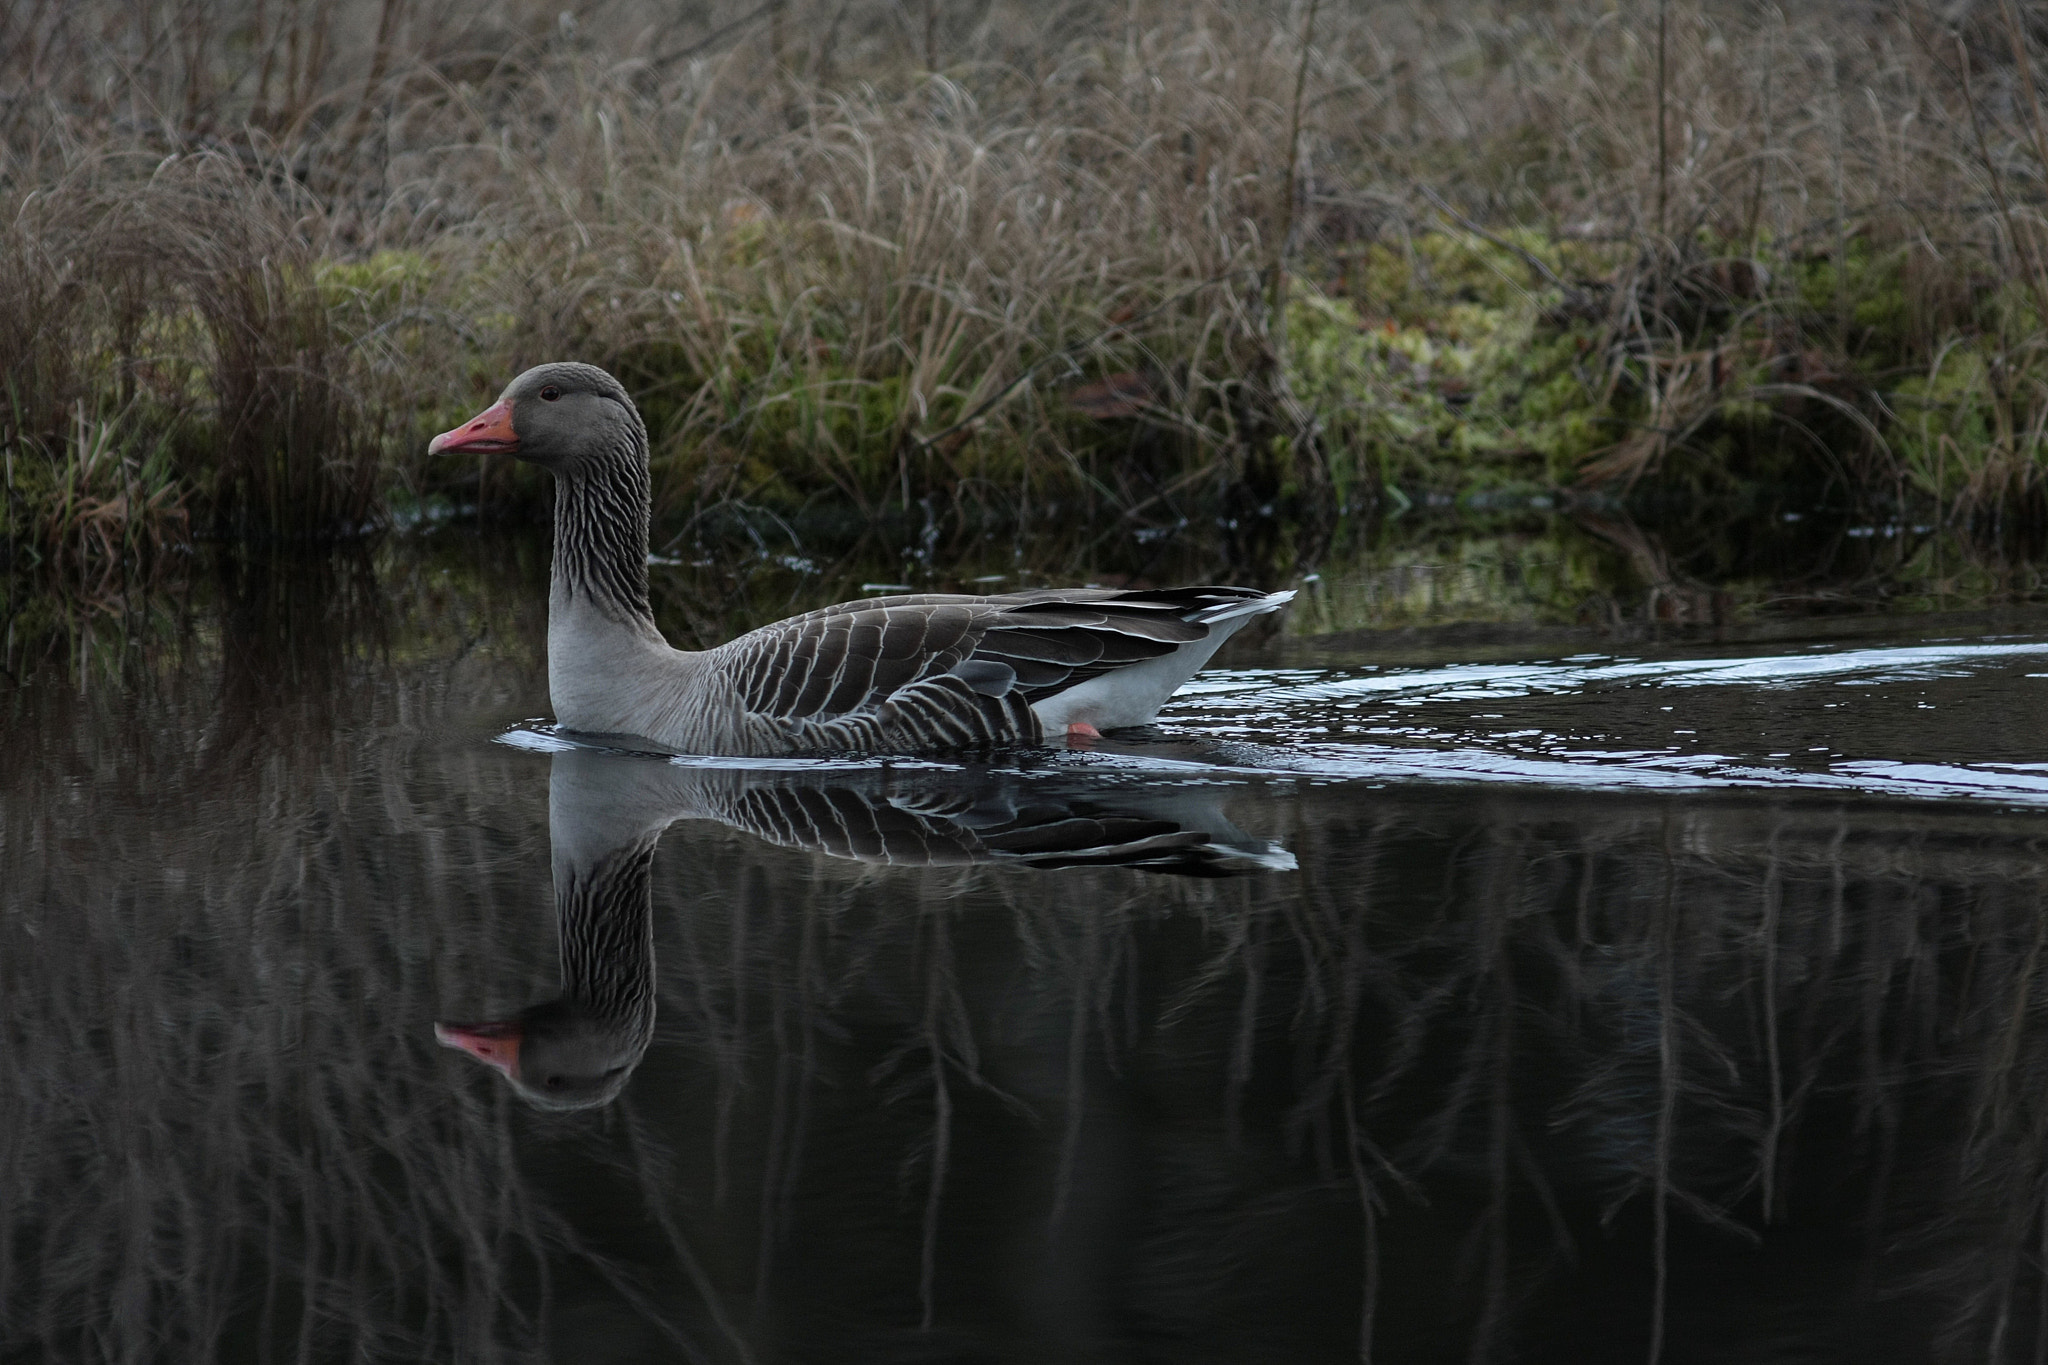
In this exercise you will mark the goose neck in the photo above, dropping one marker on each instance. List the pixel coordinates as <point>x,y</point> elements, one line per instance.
<point>605,920</point>
<point>600,556</point>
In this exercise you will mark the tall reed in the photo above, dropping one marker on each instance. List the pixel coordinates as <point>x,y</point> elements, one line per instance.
<point>1022,258</point>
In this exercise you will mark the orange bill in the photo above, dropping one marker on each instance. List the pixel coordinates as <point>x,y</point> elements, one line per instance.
<point>495,1045</point>
<point>488,433</point>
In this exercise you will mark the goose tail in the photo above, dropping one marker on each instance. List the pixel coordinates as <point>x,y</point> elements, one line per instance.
<point>1238,608</point>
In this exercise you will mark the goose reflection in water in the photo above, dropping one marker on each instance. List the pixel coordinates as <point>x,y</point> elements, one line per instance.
<point>607,811</point>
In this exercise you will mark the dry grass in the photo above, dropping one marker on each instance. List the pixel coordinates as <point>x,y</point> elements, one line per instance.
<point>175,345</point>
<point>858,253</point>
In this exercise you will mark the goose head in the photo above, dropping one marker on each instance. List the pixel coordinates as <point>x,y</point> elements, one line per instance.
<point>567,418</point>
<point>557,1055</point>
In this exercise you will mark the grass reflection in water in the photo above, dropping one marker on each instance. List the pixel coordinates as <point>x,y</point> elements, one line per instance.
<point>1494,1073</point>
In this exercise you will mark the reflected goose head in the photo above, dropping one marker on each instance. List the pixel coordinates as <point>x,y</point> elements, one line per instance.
<point>557,1055</point>
<point>563,416</point>
<point>579,1050</point>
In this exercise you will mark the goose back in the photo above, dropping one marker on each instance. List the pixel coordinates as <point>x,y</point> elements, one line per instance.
<point>928,671</point>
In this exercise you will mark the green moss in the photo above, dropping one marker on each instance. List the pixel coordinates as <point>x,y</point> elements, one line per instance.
<point>1866,293</point>
<point>1422,280</point>
<point>1948,422</point>
<point>1476,395</point>
<point>378,286</point>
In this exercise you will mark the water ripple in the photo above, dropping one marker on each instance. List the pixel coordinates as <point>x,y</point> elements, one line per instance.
<point>1945,719</point>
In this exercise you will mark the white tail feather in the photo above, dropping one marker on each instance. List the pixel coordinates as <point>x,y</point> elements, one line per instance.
<point>1257,606</point>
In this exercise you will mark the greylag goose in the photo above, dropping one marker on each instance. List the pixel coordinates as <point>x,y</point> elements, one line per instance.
<point>606,812</point>
<point>921,672</point>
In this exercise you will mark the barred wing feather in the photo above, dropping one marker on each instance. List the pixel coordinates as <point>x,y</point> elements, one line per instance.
<point>933,668</point>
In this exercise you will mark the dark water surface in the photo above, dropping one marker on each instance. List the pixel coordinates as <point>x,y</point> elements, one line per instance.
<point>1534,991</point>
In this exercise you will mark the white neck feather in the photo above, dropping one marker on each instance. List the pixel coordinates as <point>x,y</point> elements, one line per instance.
<point>609,670</point>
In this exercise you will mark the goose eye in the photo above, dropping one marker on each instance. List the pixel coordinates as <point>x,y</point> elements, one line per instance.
<point>550,394</point>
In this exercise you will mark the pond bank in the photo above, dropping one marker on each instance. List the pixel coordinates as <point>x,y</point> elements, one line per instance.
<point>1149,261</point>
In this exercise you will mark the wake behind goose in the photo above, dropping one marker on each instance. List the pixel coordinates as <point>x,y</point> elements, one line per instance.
<point>1930,719</point>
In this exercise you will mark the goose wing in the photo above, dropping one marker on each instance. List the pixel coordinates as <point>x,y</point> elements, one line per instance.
<point>838,660</point>
<point>946,819</point>
<point>1052,641</point>
<point>1049,834</point>
<point>842,659</point>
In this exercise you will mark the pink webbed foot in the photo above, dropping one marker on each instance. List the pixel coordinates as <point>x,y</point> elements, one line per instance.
<point>1081,731</point>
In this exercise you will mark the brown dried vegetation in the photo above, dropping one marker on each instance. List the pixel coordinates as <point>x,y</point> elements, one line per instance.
<point>858,253</point>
